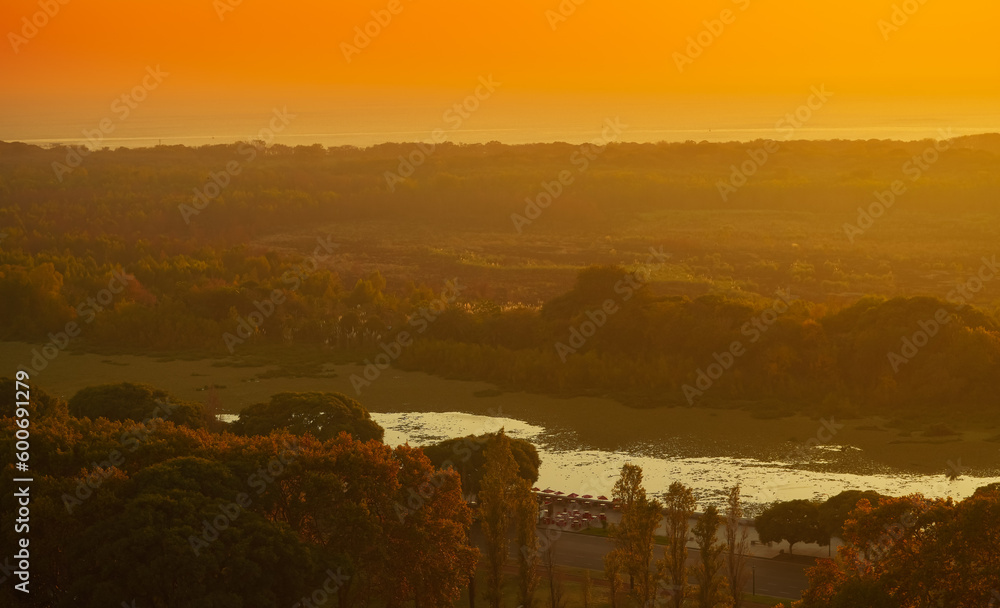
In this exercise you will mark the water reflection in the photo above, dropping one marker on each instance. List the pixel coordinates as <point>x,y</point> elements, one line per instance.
<point>571,467</point>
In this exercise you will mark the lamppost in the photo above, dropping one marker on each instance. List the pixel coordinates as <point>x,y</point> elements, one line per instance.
<point>753,569</point>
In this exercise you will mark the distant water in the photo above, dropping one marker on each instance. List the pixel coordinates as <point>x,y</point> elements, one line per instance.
<point>511,119</point>
<point>567,468</point>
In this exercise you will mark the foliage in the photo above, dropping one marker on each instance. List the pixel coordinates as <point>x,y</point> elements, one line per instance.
<point>137,402</point>
<point>528,546</point>
<point>679,506</point>
<point>837,509</point>
<point>195,284</point>
<point>501,491</point>
<point>911,551</point>
<point>795,521</point>
<point>633,536</point>
<point>323,415</point>
<point>737,546</point>
<point>712,589</point>
<point>467,456</point>
<point>125,510</point>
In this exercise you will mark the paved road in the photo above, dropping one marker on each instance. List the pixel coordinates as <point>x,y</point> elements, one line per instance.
<point>774,578</point>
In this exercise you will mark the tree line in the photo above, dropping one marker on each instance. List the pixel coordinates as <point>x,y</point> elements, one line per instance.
<point>139,498</point>
<point>890,357</point>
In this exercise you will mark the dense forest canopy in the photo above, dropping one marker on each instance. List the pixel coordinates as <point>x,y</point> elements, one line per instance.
<point>309,246</point>
<point>161,512</point>
<point>643,279</point>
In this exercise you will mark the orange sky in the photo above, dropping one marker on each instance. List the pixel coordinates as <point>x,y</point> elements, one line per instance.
<point>93,50</point>
<point>944,49</point>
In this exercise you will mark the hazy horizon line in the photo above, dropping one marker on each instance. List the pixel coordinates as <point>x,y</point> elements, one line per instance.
<point>53,143</point>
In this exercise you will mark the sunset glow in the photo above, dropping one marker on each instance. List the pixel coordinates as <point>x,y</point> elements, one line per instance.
<point>225,56</point>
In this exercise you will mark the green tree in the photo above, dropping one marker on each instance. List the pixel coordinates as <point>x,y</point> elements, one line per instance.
<point>737,546</point>
<point>837,509</point>
<point>679,506</point>
<point>913,551</point>
<point>795,521</point>
<point>138,402</point>
<point>467,455</point>
<point>225,554</point>
<point>633,536</point>
<point>43,405</point>
<point>323,415</point>
<point>428,555</point>
<point>527,540</point>
<point>712,590</point>
<point>612,572</point>
<point>497,498</point>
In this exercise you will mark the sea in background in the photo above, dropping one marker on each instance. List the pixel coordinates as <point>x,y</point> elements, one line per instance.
<point>354,118</point>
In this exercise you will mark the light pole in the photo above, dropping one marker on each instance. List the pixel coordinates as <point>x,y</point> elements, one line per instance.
<point>753,569</point>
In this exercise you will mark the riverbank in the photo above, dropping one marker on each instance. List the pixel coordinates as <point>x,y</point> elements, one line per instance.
<point>861,446</point>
